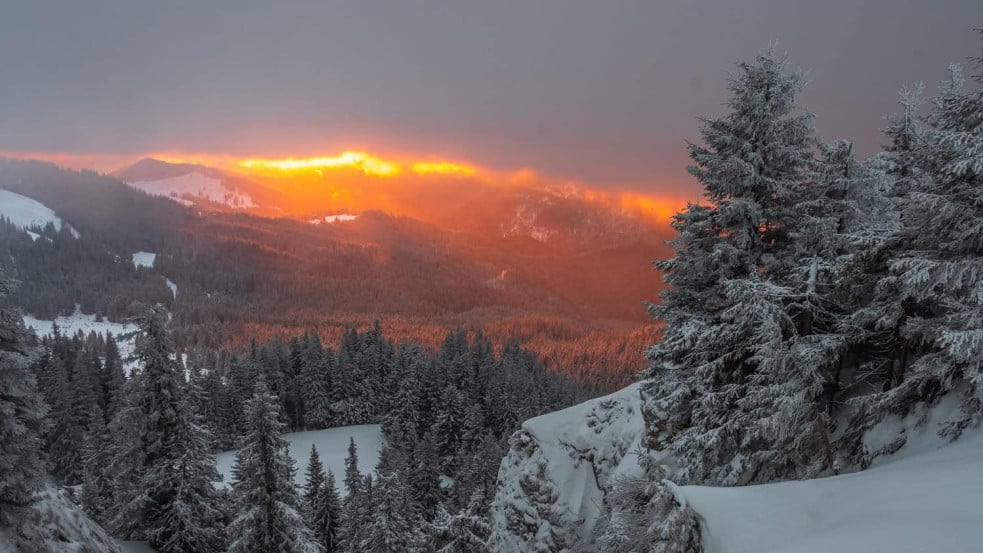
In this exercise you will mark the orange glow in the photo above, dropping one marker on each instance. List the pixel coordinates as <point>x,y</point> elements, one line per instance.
<point>443,168</point>
<point>650,207</point>
<point>360,161</point>
<point>361,181</point>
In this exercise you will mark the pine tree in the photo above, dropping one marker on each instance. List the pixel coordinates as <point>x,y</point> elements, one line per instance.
<point>22,413</point>
<point>269,517</point>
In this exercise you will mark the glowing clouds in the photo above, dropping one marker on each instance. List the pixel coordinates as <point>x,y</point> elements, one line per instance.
<point>443,168</point>
<point>359,161</point>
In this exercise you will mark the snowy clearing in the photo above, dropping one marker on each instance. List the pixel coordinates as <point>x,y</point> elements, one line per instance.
<point>144,259</point>
<point>25,213</point>
<point>332,446</point>
<point>71,324</point>
<point>195,185</point>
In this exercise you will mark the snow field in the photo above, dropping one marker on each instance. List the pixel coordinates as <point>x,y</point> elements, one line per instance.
<point>25,212</point>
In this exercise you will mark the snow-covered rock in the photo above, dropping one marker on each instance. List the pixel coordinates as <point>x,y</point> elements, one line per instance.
<point>57,525</point>
<point>553,482</point>
<point>332,448</point>
<point>195,185</point>
<point>26,213</point>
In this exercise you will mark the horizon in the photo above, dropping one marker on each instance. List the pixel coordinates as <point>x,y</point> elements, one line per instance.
<point>575,91</point>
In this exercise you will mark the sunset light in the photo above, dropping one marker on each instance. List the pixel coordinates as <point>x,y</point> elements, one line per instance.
<point>443,168</point>
<point>360,161</point>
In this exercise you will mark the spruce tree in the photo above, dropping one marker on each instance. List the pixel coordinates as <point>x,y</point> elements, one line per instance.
<point>315,481</point>
<point>394,525</point>
<point>466,531</point>
<point>733,348</point>
<point>269,509</point>
<point>22,413</point>
<point>163,485</point>
<point>943,267</point>
<point>326,515</point>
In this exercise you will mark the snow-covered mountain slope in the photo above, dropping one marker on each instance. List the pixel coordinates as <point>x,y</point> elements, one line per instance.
<point>555,479</point>
<point>125,333</point>
<point>55,524</point>
<point>196,186</point>
<point>25,212</point>
<point>332,447</point>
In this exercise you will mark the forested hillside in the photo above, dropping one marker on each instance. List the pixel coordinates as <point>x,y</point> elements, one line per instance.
<point>241,276</point>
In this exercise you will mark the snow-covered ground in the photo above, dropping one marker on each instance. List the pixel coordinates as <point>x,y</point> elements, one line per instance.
<point>135,547</point>
<point>341,218</point>
<point>144,259</point>
<point>332,447</point>
<point>928,501</point>
<point>25,212</point>
<point>197,186</point>
<point>928,497</point>
<point>125,333</point>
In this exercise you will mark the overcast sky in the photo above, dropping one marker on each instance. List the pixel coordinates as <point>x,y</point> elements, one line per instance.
<point>602,91</point>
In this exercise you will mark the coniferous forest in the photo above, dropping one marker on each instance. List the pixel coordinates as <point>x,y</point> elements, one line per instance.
<point>815,300</point>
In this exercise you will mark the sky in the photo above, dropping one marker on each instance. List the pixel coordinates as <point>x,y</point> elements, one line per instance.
<point>604,92</point>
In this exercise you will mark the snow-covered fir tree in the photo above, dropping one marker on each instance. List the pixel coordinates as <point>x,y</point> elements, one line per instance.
<point>393,525</point>
<point>466,531</point>
<point>22,413</point>
<point>269,513</point>
<point>162,470</point>
<point>732,389</point>
<point>942,269</point>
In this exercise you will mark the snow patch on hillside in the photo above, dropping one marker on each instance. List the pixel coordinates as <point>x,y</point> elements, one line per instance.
<point>125,333</point>
<point>332,447</point>
<point>144,259</point>
<point>25,213</point>
<point>340,218</point>
<point>170,284</point>
<point>195,186</point>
